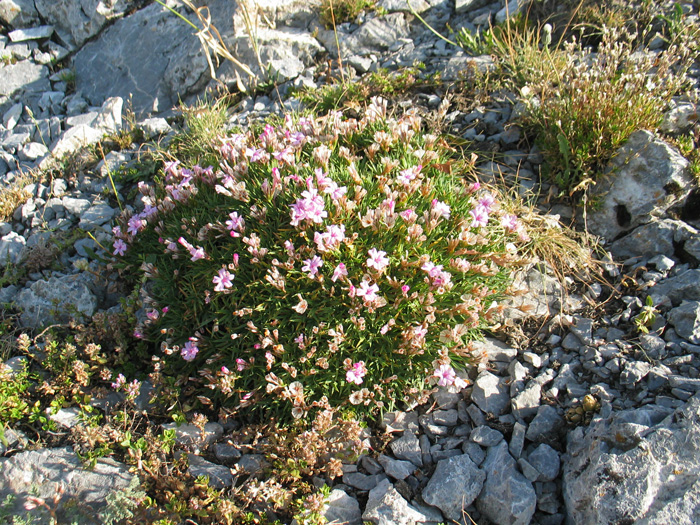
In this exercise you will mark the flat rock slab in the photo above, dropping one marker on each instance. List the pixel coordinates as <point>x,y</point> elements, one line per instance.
<point>151,54</point>
<point>40,473</point>
<point>643,463</point>
<point>456,483</point>
<point>25,76</point>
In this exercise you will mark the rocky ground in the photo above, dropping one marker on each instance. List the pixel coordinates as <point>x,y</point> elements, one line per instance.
<point>577,417</point>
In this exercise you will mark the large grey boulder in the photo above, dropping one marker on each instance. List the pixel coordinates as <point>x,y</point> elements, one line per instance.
<point>455,484</point>
<point>55,301</point>
<point>644,179</point>
<point>41,473</point>
<point>151,54</point>
<point>507,497</point>
<point>540,293</point>
<point>637,466</point>
<point>376,34</point>
<point>80,20</point>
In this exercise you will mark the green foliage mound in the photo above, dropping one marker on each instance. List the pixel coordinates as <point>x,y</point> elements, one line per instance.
<point>321,263</point>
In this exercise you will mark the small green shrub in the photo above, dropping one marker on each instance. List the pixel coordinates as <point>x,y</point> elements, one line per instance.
<point>335,12</point>
<point>597,100</point>
<point>324,262</point>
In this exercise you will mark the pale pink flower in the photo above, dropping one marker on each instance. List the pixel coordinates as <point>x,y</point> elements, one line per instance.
<point>189,351</point>
<point>120,381</point>
<point>356,373</point>
<point>339,272</point>
<point>367,291</point>
<point>509,222</point>
<point>135,225</point>
<point>404,290</point>
<point>409,174</point>
<point>487,201</point>
<point>440,209</point>
<point>377,259</point>
<point>119,247</point>
<point>236,224</point>
<point>312,265</point>
<point>480,216</point>
<point>241,364</point>
<point>223,280</point>
<point>445,374</point>
<point>409,215</point>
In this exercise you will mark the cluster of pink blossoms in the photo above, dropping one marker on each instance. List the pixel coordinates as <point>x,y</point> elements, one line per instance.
<point>356,373</point>
<point>309,208</point>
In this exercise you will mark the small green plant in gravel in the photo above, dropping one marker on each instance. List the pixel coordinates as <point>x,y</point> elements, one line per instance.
<point>322,263</point>
<point>596,101</point>
<point>334,12</point>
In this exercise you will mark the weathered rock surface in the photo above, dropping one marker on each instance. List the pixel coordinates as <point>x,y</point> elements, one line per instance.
<point>41,473</point>
<point>646,177</point>
<point>649,474</point>
<point>55,301</point>
<point>507,497</point>
<point>456,483</point>
<point>151,55</point>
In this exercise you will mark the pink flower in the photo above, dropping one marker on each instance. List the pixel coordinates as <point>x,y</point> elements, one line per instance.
<point>406,176</point>
<point>196,253</point>
<point>368,291</point>
<point>480,216</point>
<point>509,222</point>
<point>445,374</point>
<point>339,272</point>
<point>440,209</point>
<point>310,208</point>
<point>487,201</point>
<point>222,280</point>
<point>135,225</point>
<point>431,269</point>
<point>409,215</point>
<point>404,290</point>
<point>236,225</point>
<point>312,265</point>
<point>120,381</point>
<point>356,373</point>
<point>377,259</point>
<point>241,364</point>
<point>189,351</point>
<point>119,247</point>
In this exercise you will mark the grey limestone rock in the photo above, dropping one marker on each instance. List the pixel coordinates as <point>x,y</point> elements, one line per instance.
<point>152,127</point>
<point>651,479</point>
<point>546,424</point>
<point>684,286</point>
<point>546,460</point>
<point>646,177</point>
<point>396,468</point>
<point>634,372</point>
<point>680,118</point>
<point>39,473</point>
<point>149,54</point>
<point>219,476</point>
<point>79,21</point>
<point>376,34</point>
<point>507,496</point>
<point>490,393</point>
<point>407,447</point>
<point>18,13</point>
<point>96,215</point>
<point>526,403</point>
<point>648,240</point>
<point>386,506</point>
<point>75,138</point>
<point>11,246</point>
<point>32,33</point>
<point>342,509</point>
<point>486,436</point>
<point>455,484</point>
<point>23,76</point>
<point>542,294</point>
<point>686,320</point>
<point>253,464</point>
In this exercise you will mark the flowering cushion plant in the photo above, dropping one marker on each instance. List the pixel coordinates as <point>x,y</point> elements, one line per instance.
<point>327,262</point>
